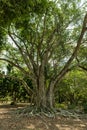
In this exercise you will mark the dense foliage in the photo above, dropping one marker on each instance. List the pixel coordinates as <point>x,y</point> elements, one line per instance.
<point>41,42</point>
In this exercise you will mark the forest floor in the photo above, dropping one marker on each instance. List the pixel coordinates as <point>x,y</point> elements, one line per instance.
<point>9,120</point>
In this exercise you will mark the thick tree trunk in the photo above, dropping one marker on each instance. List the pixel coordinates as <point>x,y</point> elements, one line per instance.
<point>50,96</point>
<point>44,98</point>
<point>40,92</point>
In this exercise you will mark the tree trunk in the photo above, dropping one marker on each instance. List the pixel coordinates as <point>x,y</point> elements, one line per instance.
<point>50,96</point>
<point>40,100</point>
<point>44,98</point>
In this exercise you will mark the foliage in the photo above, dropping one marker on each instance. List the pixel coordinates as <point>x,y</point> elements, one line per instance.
<point>42,38</point>
<point>85,107</point>
<point>73,89</point>
<point>14,90</point>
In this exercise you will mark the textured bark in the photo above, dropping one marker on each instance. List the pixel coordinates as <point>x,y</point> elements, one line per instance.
<point>40,98</point>
<point>50,96</point>
<point>41,102</point>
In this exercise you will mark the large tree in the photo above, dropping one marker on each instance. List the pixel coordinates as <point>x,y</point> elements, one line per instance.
<point>41,39</point>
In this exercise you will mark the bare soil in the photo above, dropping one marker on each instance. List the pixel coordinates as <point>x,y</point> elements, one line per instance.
<point>9,120</point>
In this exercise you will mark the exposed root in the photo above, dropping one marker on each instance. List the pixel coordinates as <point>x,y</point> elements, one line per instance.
<point>31,111</point>
<point>34,111</point>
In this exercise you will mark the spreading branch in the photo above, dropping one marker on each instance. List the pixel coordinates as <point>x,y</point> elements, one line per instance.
<point>74,54</point>
<point>15,65</point>
<point>24,56</point>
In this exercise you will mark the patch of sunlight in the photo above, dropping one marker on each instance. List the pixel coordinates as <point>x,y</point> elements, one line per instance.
<point>82,125</point>
<point>61,127</point>
<point>31,126</point>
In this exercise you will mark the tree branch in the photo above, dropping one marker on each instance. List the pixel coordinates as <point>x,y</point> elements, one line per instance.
<point>24,56</point>
<point>64,70</point>
<point>80,66</point>
<point>16,65</point>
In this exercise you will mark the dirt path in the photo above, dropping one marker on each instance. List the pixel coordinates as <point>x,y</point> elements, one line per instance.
<point>11,121</point>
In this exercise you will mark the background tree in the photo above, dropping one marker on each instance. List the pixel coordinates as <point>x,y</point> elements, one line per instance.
<point>72,89</point>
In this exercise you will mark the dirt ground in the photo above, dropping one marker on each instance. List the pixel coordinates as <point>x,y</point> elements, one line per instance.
<point>9,120</point>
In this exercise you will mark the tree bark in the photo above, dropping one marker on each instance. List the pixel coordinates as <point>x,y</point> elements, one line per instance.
<point>40,99</point>
<point>50,96</point>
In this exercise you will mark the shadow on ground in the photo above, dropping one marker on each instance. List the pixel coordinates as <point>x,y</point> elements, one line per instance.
<point>9,120</point>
